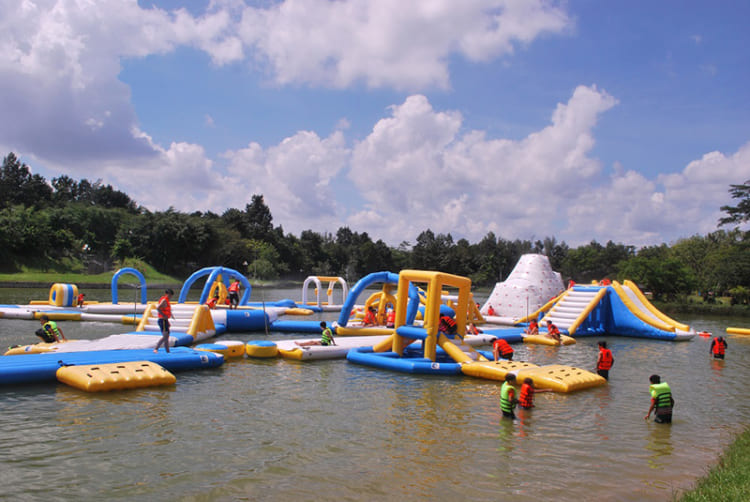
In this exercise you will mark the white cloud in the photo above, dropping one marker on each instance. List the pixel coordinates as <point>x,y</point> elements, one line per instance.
<point>391,43</point>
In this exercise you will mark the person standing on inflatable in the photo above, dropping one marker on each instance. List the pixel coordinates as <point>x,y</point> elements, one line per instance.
<point>604,361</point>
<point>718,347</point>
<point>234,294</point>
<point>164,309</point>
<point>661,401</point>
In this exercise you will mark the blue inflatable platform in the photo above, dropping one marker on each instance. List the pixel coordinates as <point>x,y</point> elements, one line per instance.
<point>32,368</point>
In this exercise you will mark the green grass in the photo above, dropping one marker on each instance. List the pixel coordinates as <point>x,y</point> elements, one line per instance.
<point>729,480</point>
<point>36,276</point>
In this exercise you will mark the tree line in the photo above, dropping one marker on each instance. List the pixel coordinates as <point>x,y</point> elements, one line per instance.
<point>84,226</point>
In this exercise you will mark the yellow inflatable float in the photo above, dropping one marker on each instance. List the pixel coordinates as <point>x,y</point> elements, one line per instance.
<point>115,376</point>
<point>556,377</point>
<point>738,331</point>
<point>546,340</point>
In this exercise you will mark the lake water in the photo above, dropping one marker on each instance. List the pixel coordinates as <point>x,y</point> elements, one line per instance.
<point>331,430</point>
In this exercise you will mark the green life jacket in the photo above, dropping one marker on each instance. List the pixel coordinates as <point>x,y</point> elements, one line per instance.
<point>326,337</point>
<point>506,404</point>
<point>52,326</point>
<point>662,395</point>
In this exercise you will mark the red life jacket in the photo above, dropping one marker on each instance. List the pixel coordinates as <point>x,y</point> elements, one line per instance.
<point>447,324</point>
<point>526,398</point>
<point>234,287</point>
<point>391,319</point>
<point>504,347</point>
<point>165,312</point>
<point>212,302</point>
<point>717,347</point>
<point>606,359</point>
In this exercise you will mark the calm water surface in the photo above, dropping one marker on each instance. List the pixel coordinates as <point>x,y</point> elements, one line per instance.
<point>281,430</point>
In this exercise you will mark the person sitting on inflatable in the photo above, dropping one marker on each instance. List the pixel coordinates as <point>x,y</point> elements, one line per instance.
<point>370,317</point>
<point>213,301</point>
<point>501,348</point>
<point>490,310</point>
<point>326,337</point>
<point>473,330</point>
<point>553,332</point>
<point>532,328</point>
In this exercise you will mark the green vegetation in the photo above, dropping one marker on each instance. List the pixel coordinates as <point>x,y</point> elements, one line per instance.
<point>35,276</point>
<point>727,481</point>
<point>81,227</point>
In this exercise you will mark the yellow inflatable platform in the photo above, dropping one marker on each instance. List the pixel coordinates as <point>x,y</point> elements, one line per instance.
<point>561,378</point>
<point>494,370</point>
<point>545,340</point>
<point>556,377</point>
<point>115,376</point>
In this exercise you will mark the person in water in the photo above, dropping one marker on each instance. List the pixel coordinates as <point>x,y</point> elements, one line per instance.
<point>526,397</point>
<point>604,360</point>
<point>326,337</point>
<point>50,332</point>
<point>508,399</point>
<point>718,347</point>
<point>501,348</point>
<point>662,401</point>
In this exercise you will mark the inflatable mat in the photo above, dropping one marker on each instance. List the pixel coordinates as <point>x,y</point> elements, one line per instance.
<point>115,376</point>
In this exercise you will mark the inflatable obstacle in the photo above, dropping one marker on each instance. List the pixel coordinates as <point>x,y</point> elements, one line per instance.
<point>115,376</point>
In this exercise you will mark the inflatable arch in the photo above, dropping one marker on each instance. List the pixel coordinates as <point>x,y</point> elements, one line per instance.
<point>213,273</point>
<point>332,281</point>
<point>374,278</point>
<point>138,275</point>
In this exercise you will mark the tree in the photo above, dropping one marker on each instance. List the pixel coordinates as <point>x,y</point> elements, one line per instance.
<point>741,212</point>
<point>19,186</point>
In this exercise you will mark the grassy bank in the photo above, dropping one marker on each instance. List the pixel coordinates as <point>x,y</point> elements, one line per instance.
<point>729,479</point>
<point>40,278</point>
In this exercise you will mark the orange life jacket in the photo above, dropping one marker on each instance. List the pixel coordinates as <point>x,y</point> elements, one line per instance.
<point>212,302</point>
<point>526,398</point>
<point>391,319</point>
<point>718,347</point>
<point>369,318</point>
<point>234,287</point>
<point>165,312</point>
<point>606,359</point>
<point>504,346</point>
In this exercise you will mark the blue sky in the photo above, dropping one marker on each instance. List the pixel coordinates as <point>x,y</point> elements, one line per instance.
<point>580,120</point>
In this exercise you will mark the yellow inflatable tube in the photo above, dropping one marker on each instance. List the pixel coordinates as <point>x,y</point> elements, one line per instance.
<point>738,331</point>
<point>545,340</point>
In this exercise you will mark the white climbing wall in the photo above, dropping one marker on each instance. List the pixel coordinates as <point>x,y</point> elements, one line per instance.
<point>531,284</point>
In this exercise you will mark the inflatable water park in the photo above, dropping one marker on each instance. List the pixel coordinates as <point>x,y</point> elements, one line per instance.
<point>390,321</point>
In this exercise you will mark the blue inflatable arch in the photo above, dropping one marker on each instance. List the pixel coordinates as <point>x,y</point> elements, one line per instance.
<point>212,273</point>
<point>139,276</point>
<point>374,278</point>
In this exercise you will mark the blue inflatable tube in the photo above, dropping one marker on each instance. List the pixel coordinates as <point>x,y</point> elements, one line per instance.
<point>138,275</point>
<point>392,361</point>
<point>247,320</point>
<point>32,368</point>
<point>181,339</point>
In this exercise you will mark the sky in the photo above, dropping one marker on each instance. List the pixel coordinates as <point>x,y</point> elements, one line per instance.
<point>580,120</point>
